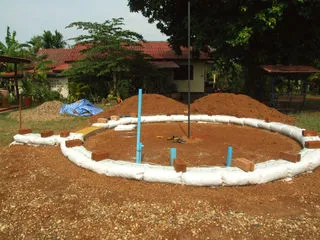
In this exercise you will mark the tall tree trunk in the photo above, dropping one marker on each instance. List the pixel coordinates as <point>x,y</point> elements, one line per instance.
<point>114,77</point>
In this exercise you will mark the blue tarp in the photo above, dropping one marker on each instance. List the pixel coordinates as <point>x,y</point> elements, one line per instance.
<point>80,108</point>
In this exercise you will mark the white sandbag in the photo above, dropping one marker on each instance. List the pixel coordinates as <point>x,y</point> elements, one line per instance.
<point>112,124</point>
<point>199,117</point>
<point>197,178</point>
<point>126,120</point>
<point>272,170</point>
<point>222,118</point>
<point>276,127</point>
<point>234,176</point>
<point>103,125</point>
<point>83,150</point>
<point>162,174</point>
<point>235,120</point>
<point>128,127</point>
<point>35,138</point>
<point>312,156</point>
<point>264,125</point>
<point>164,118</point>
<point>252,122</point>
<point>292,131</point>
<point>179,118</point>
<point>129,170</point>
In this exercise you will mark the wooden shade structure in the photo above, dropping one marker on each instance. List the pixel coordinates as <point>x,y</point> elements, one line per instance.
<point>288,70</point>
<point>15,61</point>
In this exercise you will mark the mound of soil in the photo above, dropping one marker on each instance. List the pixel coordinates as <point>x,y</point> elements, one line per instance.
<point>239,106</point>
<point>152,104</point>
<point>217,104</point>
<point>44,112</point>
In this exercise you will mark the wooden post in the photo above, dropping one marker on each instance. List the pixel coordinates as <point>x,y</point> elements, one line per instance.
<point>20,117</point>
<point>16,81</point>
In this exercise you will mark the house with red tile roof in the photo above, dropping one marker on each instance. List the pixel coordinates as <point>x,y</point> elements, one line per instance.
<point>161,55</point>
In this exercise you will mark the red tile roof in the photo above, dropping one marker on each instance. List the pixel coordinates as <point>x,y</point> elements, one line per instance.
<point>61,58</point>
<point>289,69</point>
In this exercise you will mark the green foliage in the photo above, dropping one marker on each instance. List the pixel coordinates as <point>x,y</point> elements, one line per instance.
<point>247,32</point>
<point>77,90</point>
<point>50,40</point>
<point>228,74</point>
<point>110,57</point>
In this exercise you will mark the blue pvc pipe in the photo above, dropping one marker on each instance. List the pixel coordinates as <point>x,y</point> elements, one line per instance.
<point>139,144</point>
<point>229,157</point>
<point>173,155</point>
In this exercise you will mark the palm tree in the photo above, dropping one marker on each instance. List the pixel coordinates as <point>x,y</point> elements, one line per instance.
<point>11,47</point>
<point>55,40</point>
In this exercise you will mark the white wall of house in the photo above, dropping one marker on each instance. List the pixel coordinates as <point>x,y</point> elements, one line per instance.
<point>199,76</point>
<point>59,84</point>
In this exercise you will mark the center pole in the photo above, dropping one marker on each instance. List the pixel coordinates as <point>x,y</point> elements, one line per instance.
<point>189,69</point>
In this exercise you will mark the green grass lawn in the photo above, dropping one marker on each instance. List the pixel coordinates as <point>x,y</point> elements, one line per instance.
<point>308,120</point>
<point>10,127</point>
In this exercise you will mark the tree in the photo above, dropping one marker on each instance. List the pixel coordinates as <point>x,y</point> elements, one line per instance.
<point>248,32</point>
<point>55,40</point>
<point>109,53</point>
<point>11,47</point>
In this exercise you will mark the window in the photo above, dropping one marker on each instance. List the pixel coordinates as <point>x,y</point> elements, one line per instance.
<point>181,73</point>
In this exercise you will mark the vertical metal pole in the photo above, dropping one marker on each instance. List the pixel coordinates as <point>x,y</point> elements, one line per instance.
<point>173,155</point>
<point>139,144</point>
<point>229,157</point>
<point>189,69</point>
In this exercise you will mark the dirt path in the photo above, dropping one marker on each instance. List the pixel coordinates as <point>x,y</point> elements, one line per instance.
<point>44,196</point>
<point>208,144</point>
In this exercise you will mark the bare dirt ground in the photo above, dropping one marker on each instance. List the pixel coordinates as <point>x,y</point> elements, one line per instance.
<point>207,146</point>
<point>44,196</point>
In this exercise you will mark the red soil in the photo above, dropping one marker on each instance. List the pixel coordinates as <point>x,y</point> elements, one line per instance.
<point>207,146</point>
<point>239,106</point>
<point>217,104</point>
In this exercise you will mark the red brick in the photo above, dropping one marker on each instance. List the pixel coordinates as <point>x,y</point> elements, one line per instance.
<point>46,133</point>
<point>312,144</point>
<point>290,157</point>
<point>133,115</point>
<point>25,131</point>
<point>243,163</point>
<point>99,155</point>
<point>180,165</point>
<point>102,120</point>
<point>65,133</point>
<point>309,133</point>
<point>73,143</point>
<point>114,117</point>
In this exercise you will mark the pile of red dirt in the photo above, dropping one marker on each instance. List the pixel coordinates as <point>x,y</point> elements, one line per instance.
<point>237,105</point>
<point>213,104</point>
<point>152,104</point>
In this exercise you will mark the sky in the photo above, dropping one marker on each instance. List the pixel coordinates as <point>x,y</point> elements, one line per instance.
<point>32,17</point>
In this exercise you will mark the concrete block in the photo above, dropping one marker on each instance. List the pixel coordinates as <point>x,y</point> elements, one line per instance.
<point>102,120</point>
<point>114,117</point>
<point>25,131</point>
<point>312,144</point>
<point>243,163</point>
<point>73,143</point>
<point>46,133</point>
<point>180,165</point>
<point>99,155</point>
<point>290,157</point>
<point>309,133</point>
<point>65,133</point>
